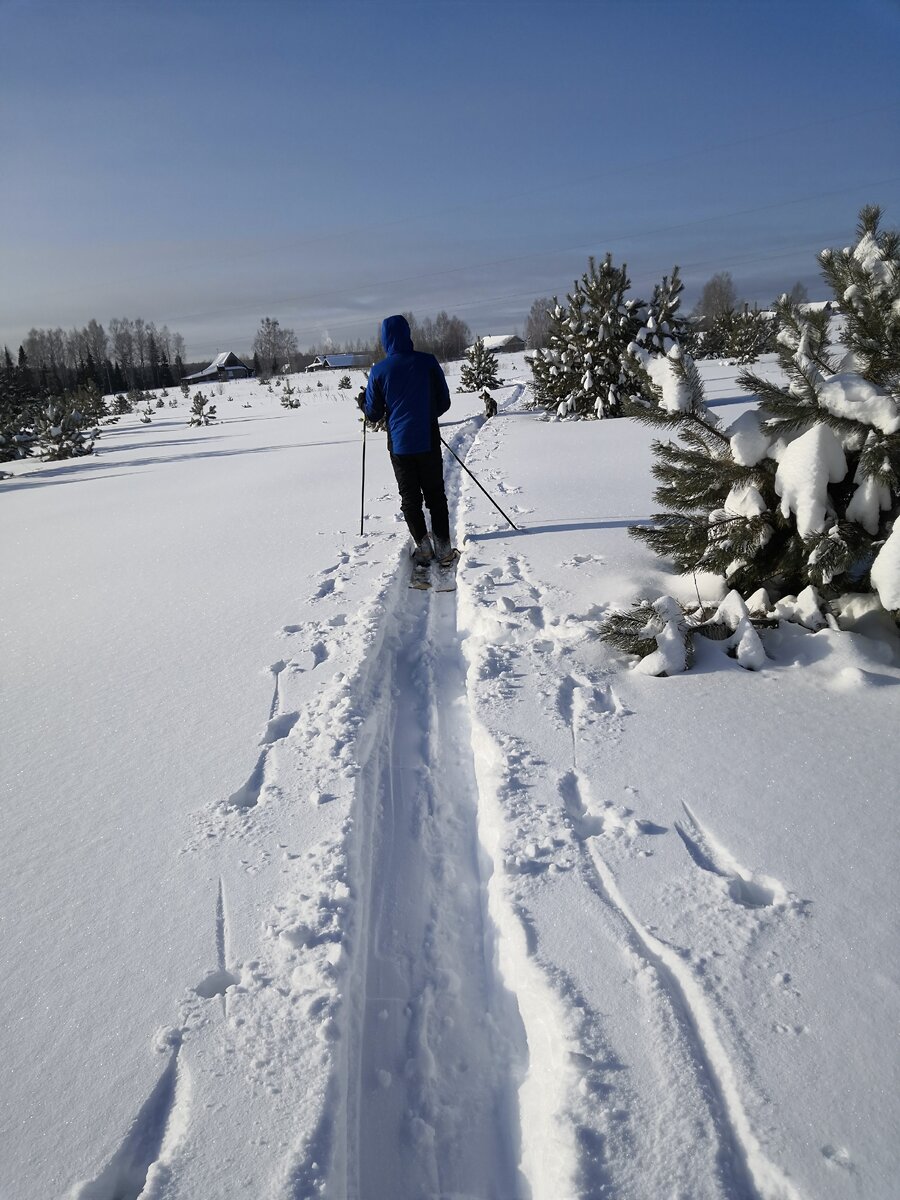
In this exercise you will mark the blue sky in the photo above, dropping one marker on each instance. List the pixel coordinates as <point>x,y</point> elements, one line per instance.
<point>326,162</point>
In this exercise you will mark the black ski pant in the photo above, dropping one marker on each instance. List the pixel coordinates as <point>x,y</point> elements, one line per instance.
<point>421,477</point>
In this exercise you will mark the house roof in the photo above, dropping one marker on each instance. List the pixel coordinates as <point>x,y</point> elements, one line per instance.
<point>221,362</point>
<point>341,360</point>
<point>499,341</point>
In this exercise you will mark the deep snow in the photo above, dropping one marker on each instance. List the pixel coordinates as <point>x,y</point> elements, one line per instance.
<point>316,885</point>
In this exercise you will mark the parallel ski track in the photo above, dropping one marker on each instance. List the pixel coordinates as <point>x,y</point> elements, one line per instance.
<point>746,1170</point>
<point>746,1173</point>
<point>436,1046</point>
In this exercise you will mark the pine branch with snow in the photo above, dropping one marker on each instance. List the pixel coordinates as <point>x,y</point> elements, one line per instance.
<point>805,491</point>
<point>865,279</point>
<point>663,326</point>
<point>656,631</point>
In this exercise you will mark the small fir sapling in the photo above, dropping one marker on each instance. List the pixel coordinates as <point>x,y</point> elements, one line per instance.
<point>479,370</point>
<point>752,334</point>
<point>289,397</point>
<point>740,336</point>
<point>200,414</point>
<point>344,383</point>
<point>61,431</point>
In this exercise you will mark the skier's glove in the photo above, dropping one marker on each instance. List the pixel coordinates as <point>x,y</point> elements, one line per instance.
<point>361,401</point>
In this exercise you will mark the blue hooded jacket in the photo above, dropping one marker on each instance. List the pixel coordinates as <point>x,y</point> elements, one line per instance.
<point>410,388</point>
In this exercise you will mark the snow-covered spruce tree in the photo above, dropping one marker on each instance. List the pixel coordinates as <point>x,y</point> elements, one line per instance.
<point>289,397</point>
<point>698,482</point>
<point>803,493</point>
<point>61,429</point>
<point>719,505</point>
<point>663,325</point>
<point>739,336</point>
<point>480,369</point>
<point>749,334</point>
<point>584,369</point>
<point>17,415</point>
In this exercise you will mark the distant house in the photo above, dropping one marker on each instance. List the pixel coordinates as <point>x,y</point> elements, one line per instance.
<point>330,362</point>
<point>503,343</point>
<point>223,367</point>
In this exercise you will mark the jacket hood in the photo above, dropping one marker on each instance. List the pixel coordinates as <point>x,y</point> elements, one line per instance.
<point>395,335</point>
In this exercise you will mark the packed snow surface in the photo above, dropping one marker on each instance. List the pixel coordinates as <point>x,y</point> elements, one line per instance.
<point>316,885</point>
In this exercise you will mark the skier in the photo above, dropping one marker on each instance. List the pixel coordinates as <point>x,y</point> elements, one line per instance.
<point>409,388</point>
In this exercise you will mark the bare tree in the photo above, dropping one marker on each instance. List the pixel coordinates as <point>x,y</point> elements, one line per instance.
<point>537,324</point>
<point>798,293</point>
<point>121,337</point>
<point>95,341</point>
<point>445,337</point>
<point>274,344</point>
<point>718,297</point>
<point>141,347</point>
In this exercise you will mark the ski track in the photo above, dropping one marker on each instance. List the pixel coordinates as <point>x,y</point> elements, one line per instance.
<point>436,1044</point>
<point>438,1073</point>
<point>510,618</point>
<point>433,1066</point>
<point>141,1167</point>
<point>375,993</point>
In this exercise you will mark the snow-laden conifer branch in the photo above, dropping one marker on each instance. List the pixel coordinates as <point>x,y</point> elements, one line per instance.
<point>805,492</point>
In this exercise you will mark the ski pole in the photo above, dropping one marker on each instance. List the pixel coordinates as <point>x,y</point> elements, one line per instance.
<point>475,481</point>
<point>362,496</point>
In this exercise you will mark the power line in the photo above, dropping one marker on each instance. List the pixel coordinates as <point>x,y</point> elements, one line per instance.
<point>312,297</point>
<point>566,184</point>
<point>467,304</point>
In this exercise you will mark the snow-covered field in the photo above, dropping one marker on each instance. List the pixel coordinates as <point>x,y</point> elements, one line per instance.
<point>316,885</point>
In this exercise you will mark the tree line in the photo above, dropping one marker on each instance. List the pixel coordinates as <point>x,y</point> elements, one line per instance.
<point>128,354</point>
<point>275,346</point>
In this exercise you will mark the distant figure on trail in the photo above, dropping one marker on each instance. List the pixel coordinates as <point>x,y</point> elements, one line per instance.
<point>490,404</point>
<point>409,388</point>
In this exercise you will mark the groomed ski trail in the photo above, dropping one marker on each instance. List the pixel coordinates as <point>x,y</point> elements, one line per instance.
<point>437,1048</point>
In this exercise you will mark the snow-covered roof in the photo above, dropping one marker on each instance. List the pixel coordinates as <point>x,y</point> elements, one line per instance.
<point>818,306</point>
<point>339,360</point>
<point>227,360</point>
<point>499,341</point>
